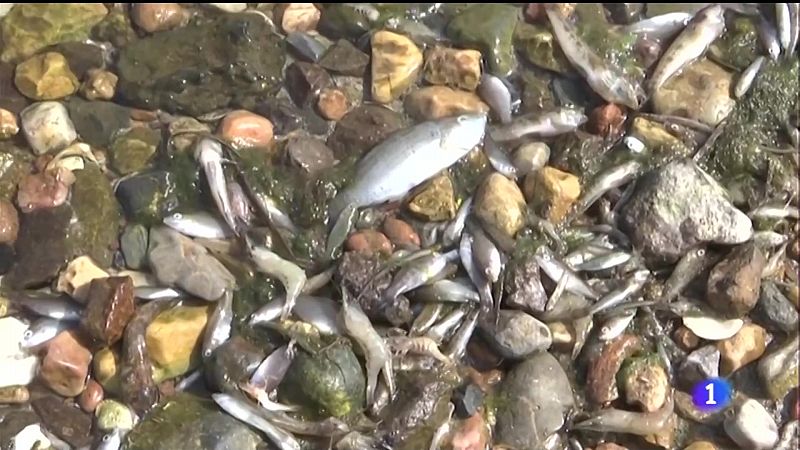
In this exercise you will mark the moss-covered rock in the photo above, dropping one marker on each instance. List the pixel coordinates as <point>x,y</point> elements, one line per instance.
<point>328,383</point>
<point>115,28</point>
<point>97,121</point>
<point>488,27</point>
<point>738,46</point>
<point>132,151</point>
<point>203,66</point>
<point>15,163</point>
<point>540,47</point>
<point>98,215</point>
<point>30,27</point>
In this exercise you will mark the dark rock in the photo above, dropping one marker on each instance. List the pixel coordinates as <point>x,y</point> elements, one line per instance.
<point>14,421</point>
<point>306,46</point>
<point>66,420</point>
<point>286,117</point>
<point>517,335</point>
<point>110,306</point>
<point>133,243</point>
<point>148,197</point>
<point>774,311</point>
<point>734,283</point>
<point>96,122</point>
<point>490,29</point>
<point>115,28</point>
<point>535,94</point>
<point>342,21</point>
<point>240,58</point>
<point>10,98</point>
<point>80,56</point>
<point>468,399</point>
<point>231,363</point>
<point>361,129</point>
<point>304,81</point>
<point>345,59</point>
<point>310,154</point>
<point>15,164</point>
<point>539,395</point>
<point>98,214</point>
<point>523,286</point>
<point>7,258</point>
<point>624,13</point>
<point>132,150</point>
<point>664,226</point>
<point>699,365</point>
<point>355,271</point>
<point>41,247</point>
<point>187,422</point>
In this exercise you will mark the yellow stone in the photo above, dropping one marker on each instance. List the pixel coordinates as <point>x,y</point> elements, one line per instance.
<point>436,102</point>
<point>8,124</point>
<point>656,137</point>
<point>396,62</point>
<point>76,278</point>
<point>175,336</point>
<point>436,201</point>
<point>666,437</point>
<point>552,190</point>
<point>701,445</point>
<point>742,348</point>
<point>46,76</point>
<point>453,67</point>
<point>105,368</point>
<point>499,203</point>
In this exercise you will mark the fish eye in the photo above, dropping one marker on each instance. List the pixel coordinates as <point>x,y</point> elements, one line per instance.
<point>27,334</point>
<point>107,437</point>
<point>701,252</point>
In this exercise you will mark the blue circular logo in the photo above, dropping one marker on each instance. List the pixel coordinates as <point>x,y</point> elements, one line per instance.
<point>712,394</point>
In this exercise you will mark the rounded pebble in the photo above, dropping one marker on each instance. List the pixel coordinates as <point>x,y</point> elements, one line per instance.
<point>152,17</point>
<point>244,129</point>
<point>332,104</point>
<point>8,124</point>
<point>99,85</point>
<point>369,241</point>
<point>400,233</point>
<point>9,222</point>
<point>91,396</point>
<point>530,157</point>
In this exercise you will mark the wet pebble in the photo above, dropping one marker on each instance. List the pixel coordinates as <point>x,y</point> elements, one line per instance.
<point>100,84</point>
<point>41,247</point>
<point>46,76</point>
<point>400,233</point>
<point>523,286</point>
<point>699,365</point>
<point>499,203</point>
<point>779,370</point>
<point>230,7</point>
<point>97,122</point>
<point>112,414</point>
<point>47,127</point>
<point>467,399</point>
<point>344,58</point>
<point>305,81</point>
<point>530,157</point>
<point>332,104</point>
<point>436,102</point>
<point>396,61</point>
<point>664,226</point>
<point>645,383</point>
<point>453,67</point>
<point>552,191</point>
<point>539,395</point>
<point>606,120</point>
<point>13,395</point>
<point>66,364</point>
<point>306,46</point>
<point>735,282</point>
<point>91,396</point>
<point>751,426</point>
<point>490,29</point>
<point>75,280</point>
<point>244,129</point>
<point>473,434</point>
<point>8,124</point>
<point>310,154</point>
<point>361,129</point>
<point>436,200</point>
<point>517,334</point>
<point>370,242</point>
<point>105,368</point>
<point>109,308</point>
<point>773,310</point>
<point>9,222</point>
<point>685,339</point>
<point>294,17</point>
<point>702,91</point>
<point>152,17</point>
<point>44,190</point>
<point>233,362</point>
<point>745,347</point>
<point>174,338</point>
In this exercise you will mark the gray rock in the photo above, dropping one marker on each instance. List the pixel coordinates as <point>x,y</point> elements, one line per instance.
<point>751,426</point>
<point>232,362</point>
<point>467,400</point>
<point>539,395</point>
<point>179,261</point>
<point>133,243</point>
<point>344,58</point>
<point>517,334</point>
<point>774,311</point>
<point>355,270</point>
<point>523,286</point>
<point>790,436</point>
<point>310,154</point>
<point>13,422</point>
<point>779,370</point>
<point>664,225</point>
<point>361,129</point>
<point>530,157</point>
<point>97,121</point>
<point>47,127</point>
<point>699,365</point>
<point>10,97</point>
<point>42,247</point>
<point>306,46</point>
<point>286,117</point>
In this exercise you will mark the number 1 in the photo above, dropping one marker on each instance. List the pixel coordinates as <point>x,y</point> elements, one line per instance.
<point>710,389</point>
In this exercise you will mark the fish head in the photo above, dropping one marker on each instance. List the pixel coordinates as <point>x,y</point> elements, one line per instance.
<point>462,133</point>
<point>111,440</point>
<point>570,118</point>
<point>173,219</point>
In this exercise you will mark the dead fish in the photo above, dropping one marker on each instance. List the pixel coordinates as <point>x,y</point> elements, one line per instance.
<point>111,440</point>
<point>614,326</point>
<point>442,329</point>
<point>416,273</point>
<point>441,431</point>
<point>240,204</point>
<point>289,274</point>
<point>46,305</point>
<point>209,154</point>
<point>240,409</point>
<point>694,262</point>
<point>220,323</point>
<point>662,26</point>
<point>783,19</point>
<point>774,211</point>
<point>612,420</point>
<point>478,279</point>
<point>452,232</point>
<point>631,286</point>
<point>604,262</point>
<point>457,346</point>
<point>768,36</point>
<point>486,255</point>
<point>498,158</point>
<point>426,318</point>
<point>769,238</point>
<point>42,331</point>
<point>605,79</point>
<point>794,18</point>
<point>706,26</point>
<point>549,124</point>
<point>555,269</point>
<point>321,312</point>
<point>198,224</point>
<point>455,291</point>
<point>157,293</point>
<point>496,94</point>
<point>748,76</point>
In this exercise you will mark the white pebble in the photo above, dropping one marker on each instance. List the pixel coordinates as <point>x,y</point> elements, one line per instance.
<point>11,333</point>
<point>230,7</point>
<point>47,127</point>
<point>5,8</point>
<point>530,157</point>
<point>752,427</point>
<point>18,371</point>
<point>633,144</point>
<point>30,437</point>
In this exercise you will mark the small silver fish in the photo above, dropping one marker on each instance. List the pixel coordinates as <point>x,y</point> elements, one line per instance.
<point>198,224</point>
<point>452,233</point>
<point>498,158</point>
<point>486,255</point>
<point>603,262</point>
<point>768,238</point>
<point>478,279</point>
<point>42,331</point>
<point>748,76</point>
<point>695,261</point>
<point>111,440</point>
<point>768,36</point>
<point>58,308</point>
<point>496,94</point>
<point>240,205</point>
<point>794,18</point>
<point>556,269</point>
<point>660,27</point>
<point>442,329</point>
<point>775,211</point>
<point>783,19</point>
<point>157,293</point>
<point>415,274</point>
<point>441,431</point>
<point>549,124</point>
<point>605,181</point>
<point>240,409</point>
<point>289,274</point>
<point>209,154</point>
<point>441,291</point>
<point>220,323</point>
<point>321,312</point>
<point>268,375</point>
<point>614,326</point>
<point>457,346</point>
<point>706,26</point>
<point>631,286</point>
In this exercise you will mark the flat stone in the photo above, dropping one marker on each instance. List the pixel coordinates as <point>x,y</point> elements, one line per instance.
<point>517,335</point>
<point>47,127</point>
<point>310,154</point>
<point>307,47</point>
<point>46,76</point>
<point>530,157</point>
<point>361,129</point>
<point>751,426</point>
<point>8,124</point>
<point>396,61</point>
<point>468,399</point>
<point>780,369</point>
<point>701,91</point>
<point>332,104</point>
<point>133,242</point>
<point>99,85</point>
<point>774,311</point>
<point>65,420</point>
<point>175,336</point>
<point>490,29</point>
<point>735,282</point>
<point>9,222</point>
<point>295,17</point>
<point>109,308</point>
<point>152,17</point>
<point>97,121</point>
<point>132,150</point>
<point>91,396</point>
<point>344,58</point>
<point>112,414</point>
<point>44,190</point>
<point>41,247</point>
<point>244,129</point>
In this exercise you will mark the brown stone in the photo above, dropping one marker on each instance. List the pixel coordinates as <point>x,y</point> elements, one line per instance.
<point>369,241</point>
<point>152,17</point>
<point>735,282</point>
<point>91,396</point>
<point>109,308</point>
<point>400,233</point>
<point>99,85</point>
<point>453,67</point>
<point>436,102</point>
<point>9,222</point>
<point>66,365</point>
<point>553,191</point>
<point>607,120</point>
<point>685,339</point>
<point>601,383</point>
<point>472,434</point>
<point>332,104</point>
<point>396,61</point>
<point>743,348</point>
<point>436,200</point>
<point>244,129</point>
<point>9,126</point>
<point>297,17</point>
<point>42,191</point>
